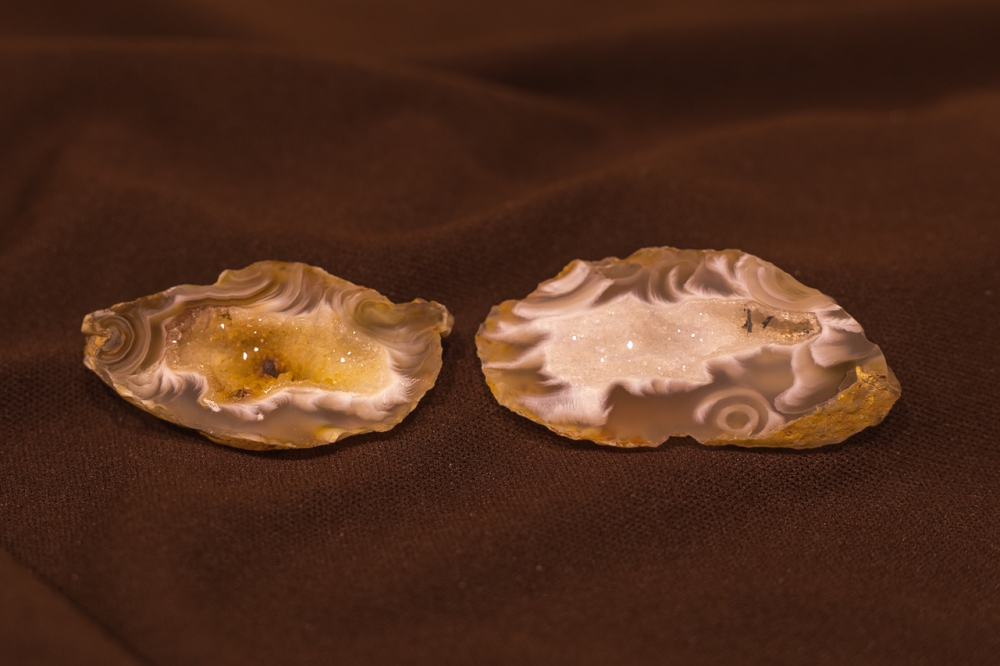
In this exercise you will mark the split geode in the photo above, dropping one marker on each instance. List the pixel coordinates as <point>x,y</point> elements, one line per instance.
<point>276,355</point>
<point>721,346</point>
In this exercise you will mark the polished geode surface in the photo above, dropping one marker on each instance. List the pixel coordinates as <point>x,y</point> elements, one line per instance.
<point>276,355</point>
<point>721,346</point>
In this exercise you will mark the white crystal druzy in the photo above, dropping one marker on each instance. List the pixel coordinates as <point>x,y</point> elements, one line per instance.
<point>721,346</point>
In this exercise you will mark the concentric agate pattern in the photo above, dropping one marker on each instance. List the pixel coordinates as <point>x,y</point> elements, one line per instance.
<point>276,355</point>
<point>721,346</point>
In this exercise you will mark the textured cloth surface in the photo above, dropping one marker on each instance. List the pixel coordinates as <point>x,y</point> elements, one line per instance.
<point>463,153</point>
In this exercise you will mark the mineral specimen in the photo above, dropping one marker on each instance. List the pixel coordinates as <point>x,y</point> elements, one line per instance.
<point>276,355</point>
<point>721,346</point>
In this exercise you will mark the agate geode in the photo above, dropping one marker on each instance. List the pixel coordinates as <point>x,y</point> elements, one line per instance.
<point>276,355</point>
<point>721,346</point>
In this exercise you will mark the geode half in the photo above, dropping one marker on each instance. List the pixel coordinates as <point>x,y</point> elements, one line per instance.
<point>276,355</point>
<point>721,346</point>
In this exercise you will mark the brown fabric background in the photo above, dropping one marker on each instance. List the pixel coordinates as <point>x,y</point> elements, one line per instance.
<point>463,152</point>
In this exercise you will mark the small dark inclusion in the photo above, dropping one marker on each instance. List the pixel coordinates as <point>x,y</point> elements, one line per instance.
<point>269,368</point>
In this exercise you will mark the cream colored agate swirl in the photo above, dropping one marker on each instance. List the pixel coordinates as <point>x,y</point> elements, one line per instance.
<point>128,347</point>
<point>631,352</point>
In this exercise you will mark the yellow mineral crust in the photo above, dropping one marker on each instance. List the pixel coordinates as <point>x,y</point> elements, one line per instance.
<point>245,354</point>
<point>274,355</point>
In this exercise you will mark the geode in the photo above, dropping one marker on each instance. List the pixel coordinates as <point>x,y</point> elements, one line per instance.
<point>718,345</point>
<point>276,355</point>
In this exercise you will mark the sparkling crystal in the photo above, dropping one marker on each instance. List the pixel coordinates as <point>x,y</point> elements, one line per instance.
<point>721,346</point>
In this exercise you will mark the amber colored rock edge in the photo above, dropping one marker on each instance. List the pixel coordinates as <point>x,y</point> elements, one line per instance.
<point>276,355</point>
<point>718,345</point>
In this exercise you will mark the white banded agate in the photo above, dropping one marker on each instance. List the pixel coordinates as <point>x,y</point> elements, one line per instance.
<point>721,346</point>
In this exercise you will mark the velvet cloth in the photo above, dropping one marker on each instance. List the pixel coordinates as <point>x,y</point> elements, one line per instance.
<point>464,152</point>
